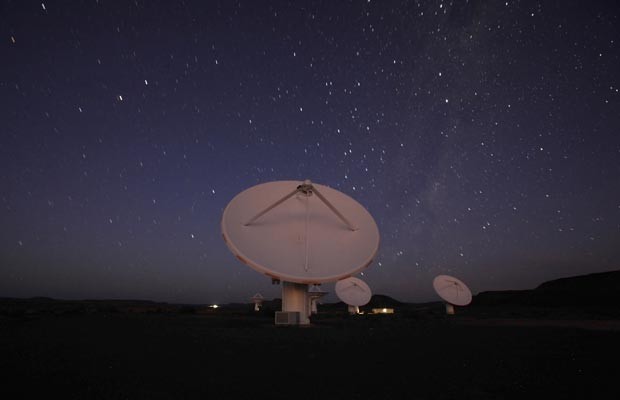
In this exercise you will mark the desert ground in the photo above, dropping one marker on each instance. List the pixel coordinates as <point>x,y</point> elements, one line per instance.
<point>149,351</point>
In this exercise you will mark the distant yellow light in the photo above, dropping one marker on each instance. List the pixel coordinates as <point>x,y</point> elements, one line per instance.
<point>385,310</point>
<point>214,306</point>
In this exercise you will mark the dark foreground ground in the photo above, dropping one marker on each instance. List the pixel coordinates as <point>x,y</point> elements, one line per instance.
<point>424,355</point>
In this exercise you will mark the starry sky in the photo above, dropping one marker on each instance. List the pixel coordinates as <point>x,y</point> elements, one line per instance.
<point>483,137</point>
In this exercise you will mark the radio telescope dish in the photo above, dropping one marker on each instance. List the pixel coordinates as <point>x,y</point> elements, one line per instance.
<point>354,292</point>
<point>452,290</point>
<point>258,301</point>
<point>315,293</point>
<point>300,233</point>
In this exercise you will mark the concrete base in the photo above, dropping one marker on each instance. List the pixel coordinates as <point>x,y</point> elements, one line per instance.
<point>295,298</point>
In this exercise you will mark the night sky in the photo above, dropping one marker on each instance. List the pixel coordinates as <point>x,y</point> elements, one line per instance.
<point>483,136</point>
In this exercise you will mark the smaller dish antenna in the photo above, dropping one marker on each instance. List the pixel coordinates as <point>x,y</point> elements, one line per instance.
<point>354,292</point>
<point>258,301</point>
<point>315,293</point>
<point>453,291</point>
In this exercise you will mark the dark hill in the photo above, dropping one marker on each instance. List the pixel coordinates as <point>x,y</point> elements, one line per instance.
<point>382,301</point>
<point>605,282</point>
<point>597,289</point>
<point>376,301</point>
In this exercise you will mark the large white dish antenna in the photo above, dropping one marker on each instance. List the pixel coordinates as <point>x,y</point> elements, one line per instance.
<point>353,291</point>
<point>452,290</point>
<point>300,232</point>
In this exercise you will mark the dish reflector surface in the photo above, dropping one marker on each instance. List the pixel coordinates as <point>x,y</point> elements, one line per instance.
<point>301,239</point>
<point>353,291</point>
<point>452,290</point>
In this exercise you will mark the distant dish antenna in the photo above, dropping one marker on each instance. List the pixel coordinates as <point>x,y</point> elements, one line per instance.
<point>299,233</point>
<point>258,301</point>
<point>315,293</point>
<point>354,292</point>
<point>453,291</point>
